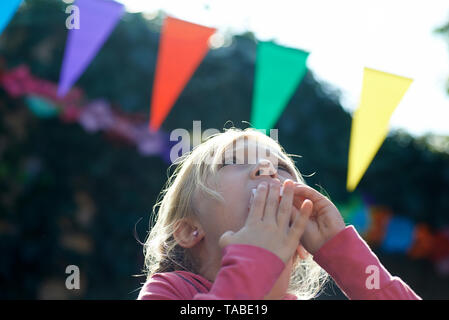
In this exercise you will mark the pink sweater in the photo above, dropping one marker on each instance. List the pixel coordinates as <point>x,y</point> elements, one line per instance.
<point>249,272</point>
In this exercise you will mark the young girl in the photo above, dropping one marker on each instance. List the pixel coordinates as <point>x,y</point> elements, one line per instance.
<point>237,221</point>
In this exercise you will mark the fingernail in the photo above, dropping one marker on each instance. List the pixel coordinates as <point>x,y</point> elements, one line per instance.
<point>251,199</point>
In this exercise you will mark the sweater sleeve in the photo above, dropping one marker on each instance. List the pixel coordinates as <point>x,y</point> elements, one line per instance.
<point>247,273</point>
<point>357,271</point>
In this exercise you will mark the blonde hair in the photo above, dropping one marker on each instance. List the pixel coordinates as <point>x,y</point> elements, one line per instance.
<point>175,202</point>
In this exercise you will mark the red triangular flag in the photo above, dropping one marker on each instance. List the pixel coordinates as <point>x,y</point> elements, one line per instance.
<point>182,47</point>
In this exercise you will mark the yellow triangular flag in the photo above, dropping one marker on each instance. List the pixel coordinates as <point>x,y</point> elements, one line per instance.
<point>381,94</point>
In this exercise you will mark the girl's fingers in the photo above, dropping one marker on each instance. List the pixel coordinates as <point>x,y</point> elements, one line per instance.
<point>286,204</point>
<point>272,204</point>
<point>301,219</point>
<point>258,205</point>
<point>303,192</point>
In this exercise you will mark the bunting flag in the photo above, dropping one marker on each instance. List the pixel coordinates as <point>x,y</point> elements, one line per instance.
<point>182,47</point>
<point>279,70</point>
<point>381,94</point>
<point>399,235</point>
<point>379,218</point>
<point>84,43</point>
<point>41,107</point>
<point>392,233</point>
<point>423,242</point>
<point>7,10</point>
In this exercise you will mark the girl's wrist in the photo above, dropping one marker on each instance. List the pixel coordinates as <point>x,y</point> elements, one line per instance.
<point>332,233</point>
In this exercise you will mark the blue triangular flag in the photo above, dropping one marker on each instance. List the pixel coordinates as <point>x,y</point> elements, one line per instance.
<point>7,10</point>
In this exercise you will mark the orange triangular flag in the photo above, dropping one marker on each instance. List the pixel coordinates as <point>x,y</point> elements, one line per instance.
<point>182,47</point>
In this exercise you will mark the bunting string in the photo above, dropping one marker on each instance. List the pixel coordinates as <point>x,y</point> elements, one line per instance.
<point>94,116</point>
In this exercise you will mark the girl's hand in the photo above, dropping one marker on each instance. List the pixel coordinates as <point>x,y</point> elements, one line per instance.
<point>325,221</point>
<point>268,226</point>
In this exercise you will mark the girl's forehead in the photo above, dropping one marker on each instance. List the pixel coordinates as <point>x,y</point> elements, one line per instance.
<point>253,148</point>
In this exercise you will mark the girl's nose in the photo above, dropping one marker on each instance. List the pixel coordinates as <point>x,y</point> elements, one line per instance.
<point>264,167</point>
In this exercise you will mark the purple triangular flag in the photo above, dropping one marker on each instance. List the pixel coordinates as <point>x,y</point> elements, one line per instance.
<point>97,19</point>
<point>7,10</point>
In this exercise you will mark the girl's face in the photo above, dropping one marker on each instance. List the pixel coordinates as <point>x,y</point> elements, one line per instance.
<point>237,177</point>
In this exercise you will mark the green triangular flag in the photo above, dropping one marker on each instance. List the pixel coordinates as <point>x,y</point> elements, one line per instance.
<point>279,70</point>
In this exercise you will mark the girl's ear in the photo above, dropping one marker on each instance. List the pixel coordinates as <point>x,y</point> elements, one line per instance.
<point>188,233</point>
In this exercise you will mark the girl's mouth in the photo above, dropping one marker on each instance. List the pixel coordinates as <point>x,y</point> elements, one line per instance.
<point>280,193</point>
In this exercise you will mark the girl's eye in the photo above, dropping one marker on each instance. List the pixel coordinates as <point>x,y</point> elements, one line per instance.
<point>284,168</point>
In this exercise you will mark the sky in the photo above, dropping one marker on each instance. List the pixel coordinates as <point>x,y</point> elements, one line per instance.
<point>343,37</point>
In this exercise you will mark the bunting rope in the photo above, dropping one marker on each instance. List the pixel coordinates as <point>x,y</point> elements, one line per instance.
<point>41,97</point>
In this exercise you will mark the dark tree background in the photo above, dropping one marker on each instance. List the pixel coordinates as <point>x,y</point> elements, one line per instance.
<point>68,197</point>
